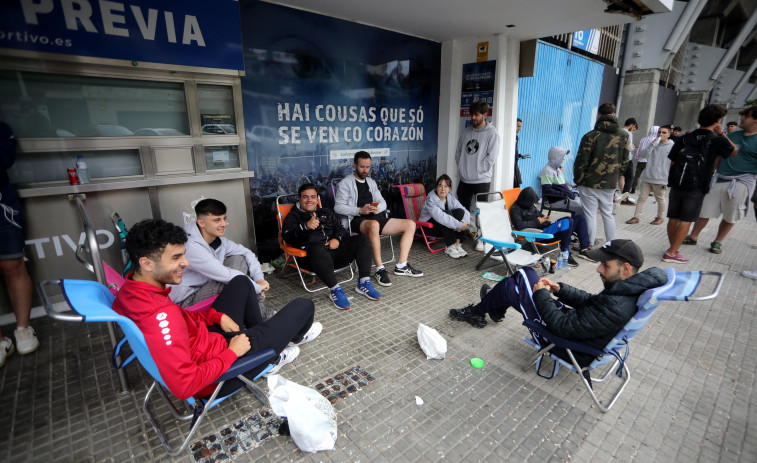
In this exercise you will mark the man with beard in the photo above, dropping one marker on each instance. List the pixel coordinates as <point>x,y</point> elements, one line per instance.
<point>575,314</point>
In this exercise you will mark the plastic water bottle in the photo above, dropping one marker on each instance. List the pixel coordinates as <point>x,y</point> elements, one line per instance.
<point>564,256</point>
<point>81,169</point>
<point>560,263</point>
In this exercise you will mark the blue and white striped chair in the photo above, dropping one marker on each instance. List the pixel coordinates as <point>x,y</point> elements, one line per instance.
<point>680,287</point>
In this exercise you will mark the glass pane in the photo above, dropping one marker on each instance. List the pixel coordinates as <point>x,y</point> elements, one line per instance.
<point>216,110</point>
<point>221,157</point>
<point>49,167</point>
<point>43,105</point>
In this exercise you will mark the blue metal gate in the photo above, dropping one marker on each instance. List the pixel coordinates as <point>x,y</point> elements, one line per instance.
<point>558,106</point>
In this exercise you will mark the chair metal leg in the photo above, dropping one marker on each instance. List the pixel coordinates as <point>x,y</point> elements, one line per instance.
<point>590,390</point>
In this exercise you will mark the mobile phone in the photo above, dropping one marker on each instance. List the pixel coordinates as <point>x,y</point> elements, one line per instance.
<point>374,204</point>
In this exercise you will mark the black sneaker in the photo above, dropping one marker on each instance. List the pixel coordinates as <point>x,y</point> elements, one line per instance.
<point>484,291</point>
<point>466,315</point>
<point>584,255</point>
<point>571,261</point>
<point>382,277</point>
<point>407,271</point>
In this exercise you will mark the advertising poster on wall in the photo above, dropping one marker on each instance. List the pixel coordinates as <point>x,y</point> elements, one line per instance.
<point>318,89</point>
<point>478,85</point>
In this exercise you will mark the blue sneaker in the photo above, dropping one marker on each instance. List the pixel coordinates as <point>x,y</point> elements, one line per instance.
<point>339,299</point>
<point>367,290</point>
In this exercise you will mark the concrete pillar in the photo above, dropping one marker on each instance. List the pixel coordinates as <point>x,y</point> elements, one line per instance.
<point>687,111</point>
<point>639,100</point>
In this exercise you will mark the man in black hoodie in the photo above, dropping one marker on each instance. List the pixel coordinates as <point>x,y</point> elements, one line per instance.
<point>329,245</point>
<point>575,314</point>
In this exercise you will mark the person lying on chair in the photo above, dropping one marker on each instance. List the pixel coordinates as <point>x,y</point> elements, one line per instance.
<point>329,245</point>
<point>190,348</point>
<point>524,215</point>
<point>575,314</point>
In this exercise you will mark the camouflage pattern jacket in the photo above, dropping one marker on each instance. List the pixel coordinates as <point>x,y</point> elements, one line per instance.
<point>602,156</point>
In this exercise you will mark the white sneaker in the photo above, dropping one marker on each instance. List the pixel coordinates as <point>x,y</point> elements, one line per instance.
<point>750,274</point>
<point>6,349</point>
<point>26,341</point>
<point>460,250</point>
<point>286,356</point>
<point>313,332</point>
<point>479,246</point>
<point>452,251</point>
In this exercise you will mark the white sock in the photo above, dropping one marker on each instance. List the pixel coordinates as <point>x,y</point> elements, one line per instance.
<point>335,287</point>
<point>402,265</point>
<point>364,279</point>
<point>379,268</point>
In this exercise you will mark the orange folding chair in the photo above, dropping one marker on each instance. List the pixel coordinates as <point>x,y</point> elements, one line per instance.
<point>510,196</point>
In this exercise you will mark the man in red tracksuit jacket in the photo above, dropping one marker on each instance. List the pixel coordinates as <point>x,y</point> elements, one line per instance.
<point>188,347</point>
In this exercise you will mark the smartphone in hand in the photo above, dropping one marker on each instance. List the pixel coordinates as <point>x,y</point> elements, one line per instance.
<point>375,204</point>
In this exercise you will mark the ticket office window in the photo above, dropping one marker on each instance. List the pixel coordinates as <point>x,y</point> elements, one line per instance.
<point>222,157</point>
<point>216,104</point>
<point>40,105</point>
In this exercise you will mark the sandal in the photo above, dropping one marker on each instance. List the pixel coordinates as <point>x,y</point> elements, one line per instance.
<point>689,240</point>
<point>632,220</point>
<point>657,221</point>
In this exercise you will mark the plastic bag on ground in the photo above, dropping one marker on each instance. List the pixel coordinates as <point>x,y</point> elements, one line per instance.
<point>432,343</point>
<point>312,419</point>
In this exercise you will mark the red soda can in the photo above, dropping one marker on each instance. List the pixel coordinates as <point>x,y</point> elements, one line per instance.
<point>73,178</point>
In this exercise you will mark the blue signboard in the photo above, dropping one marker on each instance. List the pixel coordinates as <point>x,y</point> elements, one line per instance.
<point>202,33</point>
<point>587,40</point>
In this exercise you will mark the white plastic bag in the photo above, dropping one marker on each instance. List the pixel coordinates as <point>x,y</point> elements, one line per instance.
<point>312,419</point>
<point>432,343</point>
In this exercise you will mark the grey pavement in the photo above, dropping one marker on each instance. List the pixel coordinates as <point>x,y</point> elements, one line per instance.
<point>691,395</point>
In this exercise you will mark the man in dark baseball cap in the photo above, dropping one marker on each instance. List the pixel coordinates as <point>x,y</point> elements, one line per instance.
<point>622,250</point>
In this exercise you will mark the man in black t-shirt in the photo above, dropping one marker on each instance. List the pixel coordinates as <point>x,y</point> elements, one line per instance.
<point>685,201</point>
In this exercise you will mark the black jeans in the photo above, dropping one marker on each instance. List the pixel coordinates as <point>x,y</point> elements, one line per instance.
<point>239,301</point>
<point>467,191</point>
<point>323,260</point>
<point>450,234</point>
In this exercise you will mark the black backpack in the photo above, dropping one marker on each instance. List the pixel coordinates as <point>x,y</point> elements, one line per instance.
<point>689,172</point>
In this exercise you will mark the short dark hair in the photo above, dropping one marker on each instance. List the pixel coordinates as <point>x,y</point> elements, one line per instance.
<point>479,107</point>
<point>732,123</point>
<point>669,127</point>
<point>678,127</point>
<point>210,206</point>
<point>444,177</point>
<point>630,121</point>
<point>711,114</point>
<point>361,155</point>
<point>605,109</point>
<point>149,238</point>
<point>519,120</point>
<point>307,186</point>
<point>749,111</point>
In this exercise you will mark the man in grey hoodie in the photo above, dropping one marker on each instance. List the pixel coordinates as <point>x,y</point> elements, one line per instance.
<point>477,150</point>
<point>214,260</point>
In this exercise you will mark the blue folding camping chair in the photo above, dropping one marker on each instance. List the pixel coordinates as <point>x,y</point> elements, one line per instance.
<point>680,287</point>
<point>92,302</point>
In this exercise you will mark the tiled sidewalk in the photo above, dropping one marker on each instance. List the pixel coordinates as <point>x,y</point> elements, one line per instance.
<point>691,396</point>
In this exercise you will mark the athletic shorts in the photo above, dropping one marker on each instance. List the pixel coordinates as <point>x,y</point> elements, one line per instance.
<point>717,202</point>
<point>382,219</point>
<point>685,205</point>
<point>11,238</point>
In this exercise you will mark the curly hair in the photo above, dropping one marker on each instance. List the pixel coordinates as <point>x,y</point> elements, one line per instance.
<point>149,238</point>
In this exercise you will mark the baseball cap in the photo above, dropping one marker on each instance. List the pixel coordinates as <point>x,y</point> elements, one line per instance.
<point>623,250</point>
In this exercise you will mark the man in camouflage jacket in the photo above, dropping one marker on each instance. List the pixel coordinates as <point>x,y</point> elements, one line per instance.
<point>601,158</point>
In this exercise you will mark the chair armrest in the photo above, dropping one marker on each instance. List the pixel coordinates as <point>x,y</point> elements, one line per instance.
<point>562,342</point>
<point>501,244</point>
<point>296,252</point>
<point>248,362</point>
<point>421,223</point>
<point>531,236</point>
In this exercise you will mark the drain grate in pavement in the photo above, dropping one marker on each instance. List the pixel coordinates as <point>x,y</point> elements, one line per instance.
<point>251,431</point>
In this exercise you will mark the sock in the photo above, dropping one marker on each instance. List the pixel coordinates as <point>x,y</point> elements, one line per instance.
<point>379,268</point>
<point>402,265</point>
<point>364,279</point>
<point>335,287</point>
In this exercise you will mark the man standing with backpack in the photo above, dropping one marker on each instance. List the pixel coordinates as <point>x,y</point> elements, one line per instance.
<point>693,159</point>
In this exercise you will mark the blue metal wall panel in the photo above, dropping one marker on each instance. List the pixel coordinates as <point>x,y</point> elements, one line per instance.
<point>558,106</point>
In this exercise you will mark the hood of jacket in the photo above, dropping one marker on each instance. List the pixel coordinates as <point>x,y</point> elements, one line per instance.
<point>637,284</point>
<point>607,124</point>
<point>646,141</point>
<point>527,198</point>
<point>194,234</point>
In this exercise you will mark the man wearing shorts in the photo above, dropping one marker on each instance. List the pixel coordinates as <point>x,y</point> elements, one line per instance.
<point>733,183</point>
<point>685,201</point>
<point>359,202</point>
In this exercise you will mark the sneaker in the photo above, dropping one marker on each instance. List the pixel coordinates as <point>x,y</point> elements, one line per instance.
<point>747,273</point>
<point>715,248</point>
<point>286,356</point>
<point>26,341</point>
<point>407,271</point>
<point>313,332</point>
<point>571,261</point>
<point>452,251</point>
<point>367,290</point>
<point>382,277</point>
<point>584,254</point>
<point>466,315</point>
<point>675,259</point>
<point>480,246</point>
<point>6,349</point>
<point>484,291</point>
<point>339,299</point>
<point>460,250</point>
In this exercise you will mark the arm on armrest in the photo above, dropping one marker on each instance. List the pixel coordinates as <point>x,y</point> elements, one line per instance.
<point>562,342</point>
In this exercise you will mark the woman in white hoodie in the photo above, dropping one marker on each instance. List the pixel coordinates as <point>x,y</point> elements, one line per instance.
<point>655,177</point>
<point>449,217</point>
